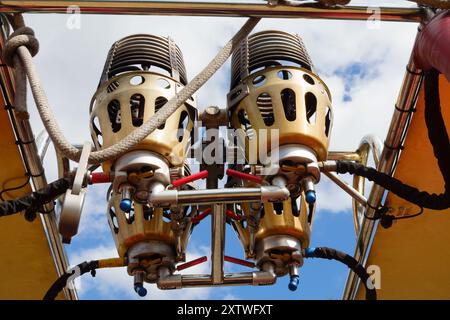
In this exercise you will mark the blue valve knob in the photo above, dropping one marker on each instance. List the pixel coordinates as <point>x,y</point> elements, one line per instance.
<point>140,290</point>
<point>126,205</point>
<point>310,196</point>
<point>293,284</point>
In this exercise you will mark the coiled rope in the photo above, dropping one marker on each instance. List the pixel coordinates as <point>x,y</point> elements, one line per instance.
<point>22,45</point>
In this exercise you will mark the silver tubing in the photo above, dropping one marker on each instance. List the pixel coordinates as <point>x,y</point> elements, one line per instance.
<point>344,155</point>
<point>178,281</point>
<point>33,159</point>
<point>347,188</point>
<point>214,196</point>
<point>42,143</point>
<point>374,145</point>
<point>368,144</point>
<point>223,9</point>
<point>217,243</point>
<point>399,124</point>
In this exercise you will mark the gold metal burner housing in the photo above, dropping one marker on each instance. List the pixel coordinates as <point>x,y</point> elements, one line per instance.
<point>141,225</point>
<point>272,223</point>
<point>299,109</point>
<point>171,140</point>
<point>273,86</point>
<point>141,74</point>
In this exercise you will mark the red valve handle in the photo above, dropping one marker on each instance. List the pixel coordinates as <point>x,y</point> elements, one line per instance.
<point>244,176</point>
<point>239,261</point>
<point>233,215</point>
<point>100,177</point>
<point>201,216</point>
<point>191,263</point>
<point>196,176</point>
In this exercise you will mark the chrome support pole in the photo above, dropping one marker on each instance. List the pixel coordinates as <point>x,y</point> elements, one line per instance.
<point>347,188</point>
<point>368,144</point>
<point>224,9</point>
<point>33,158</point>
<point>213,196</point>
<point>399,123</point>
<point>42,143</point>
<point>203,280</point>
<point>217,243</point>
<point>344,155</point>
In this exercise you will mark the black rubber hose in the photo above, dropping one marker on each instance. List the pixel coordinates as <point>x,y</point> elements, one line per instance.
<point>437,133</point>
<point>411,194</point>
<point>61,283</point>
<point>349,261</point>
<point>36,199</point>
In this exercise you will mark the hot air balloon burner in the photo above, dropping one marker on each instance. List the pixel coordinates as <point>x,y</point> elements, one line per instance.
<point>141,74</point>
<point>275,89</point>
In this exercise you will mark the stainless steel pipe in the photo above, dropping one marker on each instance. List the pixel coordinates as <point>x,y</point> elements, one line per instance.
<point>347,188</point>
<point>213,196</point>
<point>199,280</point>
<point>217,243</point>
<point>224,9</point>
<point>399,123</point>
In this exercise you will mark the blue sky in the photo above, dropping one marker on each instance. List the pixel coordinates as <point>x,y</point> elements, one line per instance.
<point>363,67</point>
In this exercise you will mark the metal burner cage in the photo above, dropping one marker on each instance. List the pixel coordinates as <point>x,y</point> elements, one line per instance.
<point>141,74</point>
<point>273,86</point>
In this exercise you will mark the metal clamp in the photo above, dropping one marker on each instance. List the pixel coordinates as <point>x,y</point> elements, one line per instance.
<point>74,199</point>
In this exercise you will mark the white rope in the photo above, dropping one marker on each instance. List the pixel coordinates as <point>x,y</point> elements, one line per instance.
<point>23,44</point>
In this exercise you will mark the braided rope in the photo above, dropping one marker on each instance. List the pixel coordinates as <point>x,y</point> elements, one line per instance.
<point>24,45</point>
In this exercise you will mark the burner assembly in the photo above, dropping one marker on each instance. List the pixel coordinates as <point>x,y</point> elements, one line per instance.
<point>274,87</point>
<point>171,163</point>
<point>141,73</point>
<point>269,199</point>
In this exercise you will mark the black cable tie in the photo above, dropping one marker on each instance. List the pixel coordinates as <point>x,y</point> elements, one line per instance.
<point>43,211</point>
<point>379,213</point>
<point>410,110</point>
<point>399,147</point>
<point>414,72</point>
<point>20,142</point>
<point>36,175</point>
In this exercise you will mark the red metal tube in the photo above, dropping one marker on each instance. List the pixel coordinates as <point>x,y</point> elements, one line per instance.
<point>244,176</point>
<point>191,263</point>
<point>239,261</point>
<point>432,48</point>
<point>233,215</point>
<point>201,216</point>
<point>196,176</point>
<point>100,177</point>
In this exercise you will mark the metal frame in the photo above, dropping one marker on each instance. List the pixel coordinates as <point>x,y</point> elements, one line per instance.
<point>399,125</point>
<point>217,276</point>
<point>30,152</point>
<point>223,9</point>
<point>368,144</point>
<point>385,163</point>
